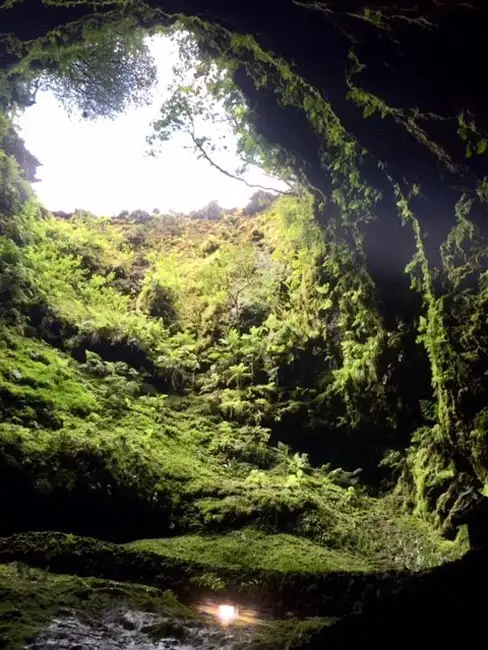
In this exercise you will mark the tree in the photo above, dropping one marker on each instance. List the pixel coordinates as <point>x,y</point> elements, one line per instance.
<point>203,93</point>
<point>244,278</point>
<point>212,211</point>
<point>14,191</point>
<point>110,70</point>
<point>13,145</point>
<point>159,302</point>
<point>258,202</point>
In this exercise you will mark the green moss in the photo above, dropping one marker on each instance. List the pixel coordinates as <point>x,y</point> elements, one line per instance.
<point>96,429</point>
<point>335,591</point>
<point>289,633</point>
<point>39,384</point>
<point>185,468</point>
<point>251,549</point>
<point>30,598</point>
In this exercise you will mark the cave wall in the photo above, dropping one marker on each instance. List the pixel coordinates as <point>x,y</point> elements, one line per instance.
<point>412,71</point>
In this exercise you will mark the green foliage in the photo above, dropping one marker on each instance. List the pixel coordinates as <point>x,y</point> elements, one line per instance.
<point>204,91</point>
<point>283,327</point>
<point>157,301</point>
<point>201,471</point>
<point>13,145</point>
<point>251,549</point>
<point>14,191</point>
<point>102,74</point>
<point>476,142</point>
<point>217,334</point>
<point>31,598</point>
<point>343,161</point>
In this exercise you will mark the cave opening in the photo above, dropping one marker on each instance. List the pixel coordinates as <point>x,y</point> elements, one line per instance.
<point>106,128</point>
<point>280,396</point>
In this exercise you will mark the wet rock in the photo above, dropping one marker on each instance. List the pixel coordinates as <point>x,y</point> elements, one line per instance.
<point>130,630</point>
<point>166,629</point>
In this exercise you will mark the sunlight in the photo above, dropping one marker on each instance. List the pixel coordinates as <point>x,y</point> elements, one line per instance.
<point>102,165</point>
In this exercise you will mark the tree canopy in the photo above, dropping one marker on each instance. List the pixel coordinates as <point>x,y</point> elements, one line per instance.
<point>109,70</point>
<point>203,92</point>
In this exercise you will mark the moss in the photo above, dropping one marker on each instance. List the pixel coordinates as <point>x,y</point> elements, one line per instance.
<point>252,549</point>
<point>164,465</point>
<point>30,598</point>
<point>334,592</point>
<point>40,385</point>
<point>289,633</point>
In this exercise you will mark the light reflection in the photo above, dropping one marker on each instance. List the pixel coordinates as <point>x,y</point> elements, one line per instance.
<point>228,614</point>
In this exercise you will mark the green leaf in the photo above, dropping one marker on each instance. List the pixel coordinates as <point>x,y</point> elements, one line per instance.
<point>481,146</point>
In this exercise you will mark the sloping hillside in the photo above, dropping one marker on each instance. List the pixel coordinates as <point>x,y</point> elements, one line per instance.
<point>157,378</point>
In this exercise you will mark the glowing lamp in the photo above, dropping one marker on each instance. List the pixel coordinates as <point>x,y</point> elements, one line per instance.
<point>227,614</point>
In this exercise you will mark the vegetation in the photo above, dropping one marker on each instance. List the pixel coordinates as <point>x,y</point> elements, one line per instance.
<point>99,76</point>
<point>203,91</point>
<point>111,70</point>
<point>169,385</point>
<point>234,397</point>
<point>31,598</point>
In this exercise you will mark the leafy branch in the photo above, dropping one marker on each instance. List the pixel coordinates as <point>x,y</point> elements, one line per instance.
<point>204,93</point>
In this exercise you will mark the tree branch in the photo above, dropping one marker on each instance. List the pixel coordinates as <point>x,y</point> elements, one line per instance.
<point>230,174</point>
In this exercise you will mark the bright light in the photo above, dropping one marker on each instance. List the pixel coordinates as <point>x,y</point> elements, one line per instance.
<point>227,614</point>
<point>102,166</point>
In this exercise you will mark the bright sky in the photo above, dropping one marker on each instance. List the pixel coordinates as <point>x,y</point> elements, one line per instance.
<point>102,165</point>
